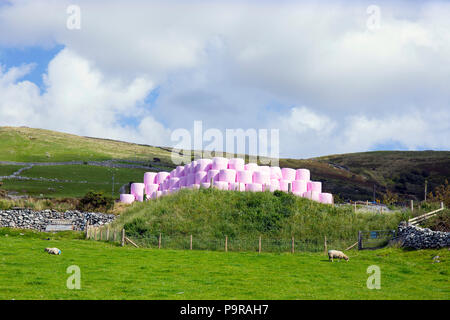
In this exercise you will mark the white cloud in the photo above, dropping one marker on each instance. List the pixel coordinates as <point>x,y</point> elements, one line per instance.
<point>239,65</point>
<point>78,99</point>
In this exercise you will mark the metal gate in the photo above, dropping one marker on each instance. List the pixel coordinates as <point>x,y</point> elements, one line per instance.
<point>374,239</point>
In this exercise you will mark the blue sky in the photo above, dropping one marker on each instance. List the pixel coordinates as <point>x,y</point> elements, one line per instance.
<point>137,71</point>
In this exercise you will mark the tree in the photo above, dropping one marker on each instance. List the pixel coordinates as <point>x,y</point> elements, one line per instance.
<point>390,198</point>
<point>441,193</point>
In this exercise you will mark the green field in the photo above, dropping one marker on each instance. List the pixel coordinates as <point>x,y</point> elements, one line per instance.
<point>6,170</point>
<point>82,179</point>
<point>112,272</point>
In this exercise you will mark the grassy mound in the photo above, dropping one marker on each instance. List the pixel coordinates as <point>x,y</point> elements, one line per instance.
<point>214,214</point>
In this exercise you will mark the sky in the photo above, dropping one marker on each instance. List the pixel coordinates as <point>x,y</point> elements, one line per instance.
<point>333,77</point>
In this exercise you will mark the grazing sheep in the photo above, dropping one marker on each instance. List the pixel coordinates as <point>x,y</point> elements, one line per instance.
<point>335,254</point>
<point>52,250</point>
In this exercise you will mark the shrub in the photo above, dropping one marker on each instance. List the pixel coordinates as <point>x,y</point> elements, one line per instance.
<point>94,201</point>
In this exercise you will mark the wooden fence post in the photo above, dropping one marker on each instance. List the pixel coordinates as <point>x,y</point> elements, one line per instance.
<point>123,237</point>
<point>190,246</point>
<point>226,243</point>
<point>293,249</point>
<point>442,204</point>
<point>95,233</point>
<point>412,205</point>
<point>159,241</point>
<point>359,240</point>
<point>259,245</point>
<point>87,230</point>
<point>101,234</point>
<point>289,187</point>
<point>115,236</point>
<point>107,234</point>
<point>325,245</point>
<point>355,206</point>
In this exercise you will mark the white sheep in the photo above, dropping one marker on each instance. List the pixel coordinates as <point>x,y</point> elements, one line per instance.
<point>335,254</point>
<point>53,250</point>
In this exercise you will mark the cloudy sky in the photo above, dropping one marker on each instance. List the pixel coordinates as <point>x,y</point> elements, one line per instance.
<point>334,77</point>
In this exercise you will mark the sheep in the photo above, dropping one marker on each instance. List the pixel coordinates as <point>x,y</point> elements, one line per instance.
<point>52,250</point>
<point>335,254</point>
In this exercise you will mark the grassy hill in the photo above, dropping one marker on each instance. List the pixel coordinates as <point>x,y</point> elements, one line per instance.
<point>351,176</point>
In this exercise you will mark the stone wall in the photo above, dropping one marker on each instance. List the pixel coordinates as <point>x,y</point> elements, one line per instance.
<point>422,238</point>
<point>38,220</point>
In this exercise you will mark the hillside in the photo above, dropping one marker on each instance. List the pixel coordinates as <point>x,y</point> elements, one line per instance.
<point>351,176</point>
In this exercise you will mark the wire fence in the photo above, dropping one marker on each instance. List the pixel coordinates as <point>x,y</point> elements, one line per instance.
<point>234,244</point>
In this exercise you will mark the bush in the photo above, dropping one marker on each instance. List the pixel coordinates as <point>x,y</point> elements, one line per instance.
<point>95,201</point>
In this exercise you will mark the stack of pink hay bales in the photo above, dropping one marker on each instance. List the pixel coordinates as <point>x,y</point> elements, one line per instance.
<point>227,174</point>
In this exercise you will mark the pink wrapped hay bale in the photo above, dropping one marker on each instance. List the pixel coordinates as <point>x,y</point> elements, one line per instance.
<point>219,163</point>
<point>284,185</point>
<point>183,181</point>
<point>244,176</point>
<point>140,198</point>
<point>261,177</point>
<point>201,176</point>
<point>227,175</point>
<point>312,195</point>
<point>137,189</point>
<point>149,177</point>
<point>275,173</point>
<point>221,185</point>
<point>193,166</point>
<point>180,172</point>
<point>236,186</point>
<point>236,164</point>
<point>127,198</point>
<point>190,179</point>
<point>288,174</point>
<point>161,176</point>
<point>150,188</point>
<point>315,186</point>
<point>299,186</point>
<point>254,187</point>
<point>251,166</point>
<point>203,165</point>
<point>205,185</point>
<point>274,185</point>
<point>326,198</point>
<point>303,174</point>
<point>174,183</point>
<point>213,174</point>
<point>195,186</point>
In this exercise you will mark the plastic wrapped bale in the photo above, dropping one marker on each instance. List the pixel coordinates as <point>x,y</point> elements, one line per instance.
<point>137,189</point>
<point>190,179</point>
<point>326,198</point>
<point>150,188</point>
<point>288,174</point>
<point>221,185</point>
<point>149,178</point>
<point>236,186</point>
<point>244,176</point>
<point>127,198</point>
<point>201,177</point>
<point>303,174</point>
<point>315,186</point>
<point>227,175</point>
<point>299,186</point>
<point>161,176</point>
<point>275,173</point>
<point>284,185</point>
<point>174,183</point>
<point>205,185</point>
<point>193,166</point>
<point>183,181</point>
<point>213,174</point>
<point>219,163</point>
<point>236,164</point>
<point>261,177</point>
<point>203,165</point>
<point>254,187</point>
<point>274,184</point>
<point>251,166</point>
<point>312,195</point>
<point>180,172</point>
<point>173,173</point>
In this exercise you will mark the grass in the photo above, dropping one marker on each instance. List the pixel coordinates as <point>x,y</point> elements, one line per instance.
<point>83,177</point>
<point>6,170</point>
<point>112,272</point>
<point>213,214</point>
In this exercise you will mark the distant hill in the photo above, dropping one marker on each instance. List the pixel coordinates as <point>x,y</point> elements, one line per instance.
<point>351,176</point>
